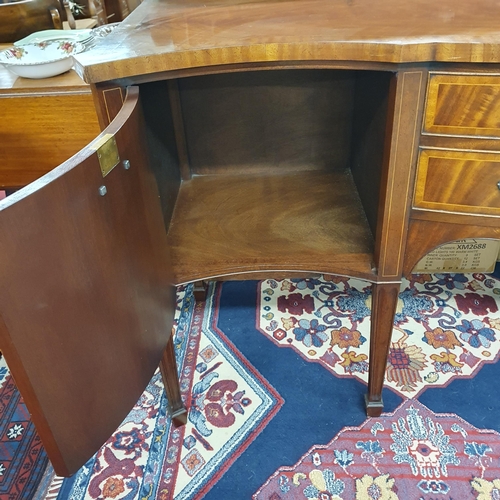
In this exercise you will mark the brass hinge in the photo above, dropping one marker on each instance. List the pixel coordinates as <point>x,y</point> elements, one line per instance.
<point>107,153</point>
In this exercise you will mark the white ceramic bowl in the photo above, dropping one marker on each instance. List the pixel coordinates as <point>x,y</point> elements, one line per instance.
<point>42,59</point>
<point>82,36</point>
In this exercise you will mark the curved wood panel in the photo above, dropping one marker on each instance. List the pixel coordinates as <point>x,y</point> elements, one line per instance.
<point>168,35</point>
<point>425,236</point>
<point>86,304</point>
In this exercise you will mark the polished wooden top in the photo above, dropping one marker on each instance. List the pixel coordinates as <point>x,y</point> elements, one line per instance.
<point>163,35</point>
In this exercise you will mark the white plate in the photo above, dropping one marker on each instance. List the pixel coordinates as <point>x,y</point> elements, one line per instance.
<point>81,36</point>
<point>41,60</point>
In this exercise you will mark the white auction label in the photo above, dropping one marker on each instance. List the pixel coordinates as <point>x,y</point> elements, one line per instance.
<point>462,256</point>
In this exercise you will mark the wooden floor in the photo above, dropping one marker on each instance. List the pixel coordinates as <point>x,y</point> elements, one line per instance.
<point>235,224</point>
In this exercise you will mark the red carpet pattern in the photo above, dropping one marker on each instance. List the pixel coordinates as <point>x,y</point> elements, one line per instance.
<point>446,326</point>
<point>411,454</point>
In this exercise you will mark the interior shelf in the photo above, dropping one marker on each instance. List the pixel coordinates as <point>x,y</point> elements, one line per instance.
<point>282,171</point>
<point>309,221</point>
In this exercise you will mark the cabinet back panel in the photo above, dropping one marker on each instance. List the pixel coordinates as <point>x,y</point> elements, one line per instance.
<point>268,121</point>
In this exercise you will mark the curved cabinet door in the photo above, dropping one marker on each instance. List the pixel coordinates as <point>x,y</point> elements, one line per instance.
<point>86,302</point>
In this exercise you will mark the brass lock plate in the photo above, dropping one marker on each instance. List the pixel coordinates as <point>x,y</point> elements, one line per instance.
<point>107,153</point>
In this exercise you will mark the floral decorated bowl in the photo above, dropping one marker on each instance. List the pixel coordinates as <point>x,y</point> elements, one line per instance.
<point>42,59</point>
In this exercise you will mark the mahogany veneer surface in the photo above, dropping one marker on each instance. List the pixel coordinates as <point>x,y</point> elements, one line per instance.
<point>463,104</point>
<point>458,181</point>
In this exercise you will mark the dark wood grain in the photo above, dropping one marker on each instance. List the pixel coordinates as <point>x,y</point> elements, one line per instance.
<point>371,125</point>
<point>218,69</point>
<point>117,10</point>
<point>170,376</point>
<point>162,144</point>
<point>108,99</point>
<point>402,134</point>
<point>86,302</point>
<point>269,120</point>
<point>179,129</point>
<point>19,19</point>
<point>310,221</point>
<point>200,290</point>
<point>270,151</point>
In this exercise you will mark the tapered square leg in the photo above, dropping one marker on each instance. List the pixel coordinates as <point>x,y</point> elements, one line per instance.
<point>200,291</point>
<point>384,302</point>
<point>168,369</point>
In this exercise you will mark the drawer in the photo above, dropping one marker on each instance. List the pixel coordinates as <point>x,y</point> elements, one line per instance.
<point>466,105</point>
<point>458,181</point>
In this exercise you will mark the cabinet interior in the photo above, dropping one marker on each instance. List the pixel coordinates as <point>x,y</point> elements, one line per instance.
<point>274,171</point>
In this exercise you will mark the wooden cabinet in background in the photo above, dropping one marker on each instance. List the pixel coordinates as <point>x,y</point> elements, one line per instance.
<point>42,123</point>
<point>118,10</point>
<point>97,10</point>
<point>19,19</point>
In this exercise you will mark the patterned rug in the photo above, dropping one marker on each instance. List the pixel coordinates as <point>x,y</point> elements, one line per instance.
<point>229,404</point>
<point>411,454</point>
<point>22,457</point>
<point>446,326</point>
<point>273,370</point>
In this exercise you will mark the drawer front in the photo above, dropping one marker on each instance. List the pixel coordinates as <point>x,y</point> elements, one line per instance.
<point>463,105</point>
<point>458,181</point>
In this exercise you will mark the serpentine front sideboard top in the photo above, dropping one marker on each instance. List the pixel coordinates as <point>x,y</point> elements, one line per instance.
<point>244,140</point>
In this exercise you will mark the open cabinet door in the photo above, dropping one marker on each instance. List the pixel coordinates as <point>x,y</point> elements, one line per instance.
<point>86,301</point>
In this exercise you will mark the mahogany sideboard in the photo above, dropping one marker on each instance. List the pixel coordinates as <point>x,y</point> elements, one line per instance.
<point>243,140</point>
